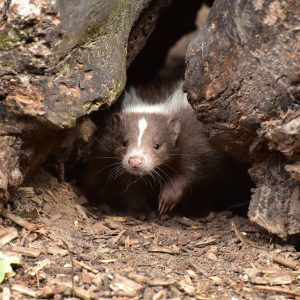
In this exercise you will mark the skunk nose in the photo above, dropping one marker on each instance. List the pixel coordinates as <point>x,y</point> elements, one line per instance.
<point>136,162</point>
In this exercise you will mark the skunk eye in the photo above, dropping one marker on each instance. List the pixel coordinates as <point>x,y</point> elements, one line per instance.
<point>156,146</point>
<point>125,143</point>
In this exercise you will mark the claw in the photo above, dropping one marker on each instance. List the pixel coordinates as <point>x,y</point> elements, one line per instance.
<point>161,208</point>
<point>172,207</point>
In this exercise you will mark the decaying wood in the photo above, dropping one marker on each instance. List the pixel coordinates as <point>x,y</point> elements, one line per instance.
<point>59,61</point>
<point>243,80</point>
<point>287,262</point>
<point>275,204</point>
<point>7,235</point>
<point>106,270</point>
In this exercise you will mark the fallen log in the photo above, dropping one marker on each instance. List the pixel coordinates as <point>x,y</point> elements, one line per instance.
<point>243,80</point>
<point>60,61</point>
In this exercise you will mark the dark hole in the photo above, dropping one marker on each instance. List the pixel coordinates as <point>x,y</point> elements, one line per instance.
<point>153,67</point>
<point>177,20</point>
<point>3,96</point>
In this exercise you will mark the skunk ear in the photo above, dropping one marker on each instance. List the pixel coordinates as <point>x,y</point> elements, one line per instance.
<point>175,127</point>
<point>115,120</point>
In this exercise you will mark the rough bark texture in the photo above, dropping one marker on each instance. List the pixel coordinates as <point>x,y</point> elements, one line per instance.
<point>243,79</point>
<point>275,203</point>
<point>59,61</point>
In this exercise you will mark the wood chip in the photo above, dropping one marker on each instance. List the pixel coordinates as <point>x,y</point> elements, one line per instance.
<point>51,290</point>
<point>33,271</point>
<point>99,228</point>
<point>6,294</point>
<point>26,251</point>
<point>110,294</point>
<point>87,277</point>
<point>186,285</point>
<point>81,200</point>
<point>117,238</point>
<point>275,279</point>
<point>57,251</point>
<point>20,221</point>
<point>278,290</point>
<point>138,277</point>
<point>113,224</point>
<point>216,280</point>
<point>107,261</point>
<point>192,274</point>
<point>158,282</point>
<point>203,287</point>
<point>188,289</point>
<point>160,295</point>
<point>7,235</point>
<point>51,194</point>
<point>121,283</point>
<point>82,293</point>
<point>185,221</point>
<point>243,240</point>
<point>24,290</point>
<point>287,262</point>
<point>118,219</point>
<point>86,267</point>
<point>207,241</point>
<point>81,212</point>
<point>173,249</point>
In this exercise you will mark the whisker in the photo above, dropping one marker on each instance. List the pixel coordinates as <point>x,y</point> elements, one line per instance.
<point>130,184</point>
<point>158,178</point>
<point>108,166</point>
<point>167,177</point>
<point>105,157</point>
<point>171,168</point>
<point>148,180</point>
<point>114,173</point>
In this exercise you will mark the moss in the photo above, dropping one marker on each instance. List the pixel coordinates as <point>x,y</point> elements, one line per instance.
<point>5,42</point>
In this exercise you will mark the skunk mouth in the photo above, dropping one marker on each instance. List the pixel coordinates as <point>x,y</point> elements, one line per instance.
<point>136,172</point>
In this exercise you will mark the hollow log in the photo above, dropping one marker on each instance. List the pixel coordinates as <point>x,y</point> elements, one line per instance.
<point>60,61</point>
<point>243,80</point>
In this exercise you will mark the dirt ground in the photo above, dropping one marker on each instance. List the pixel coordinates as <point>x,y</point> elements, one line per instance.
<point>72,251</point>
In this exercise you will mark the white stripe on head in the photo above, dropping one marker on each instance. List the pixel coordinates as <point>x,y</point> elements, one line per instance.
<point>142,126</point>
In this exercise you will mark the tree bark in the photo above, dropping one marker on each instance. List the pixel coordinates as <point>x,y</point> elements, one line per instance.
<point>60,61</point>
<point>243,80</point>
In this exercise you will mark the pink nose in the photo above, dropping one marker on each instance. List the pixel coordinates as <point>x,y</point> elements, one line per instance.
<point>136,162</point>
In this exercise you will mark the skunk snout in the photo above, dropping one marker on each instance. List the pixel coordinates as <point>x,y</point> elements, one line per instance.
<point>136,162</point>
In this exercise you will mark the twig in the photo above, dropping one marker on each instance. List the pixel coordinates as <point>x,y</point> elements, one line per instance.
<point>241,238</point>
<point>107,261</point>
<point>292,264</point>
<point>24,290</point>
<point>72,267</point>
<point>31,252</point>
<point>173,249</point>
<point>116,239</point>
<point>7,235</point>
<point>277,290</point>
<point>23,223</point>
<point>87,267</point>
<point>18,220</point>
<point>157,282</point>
